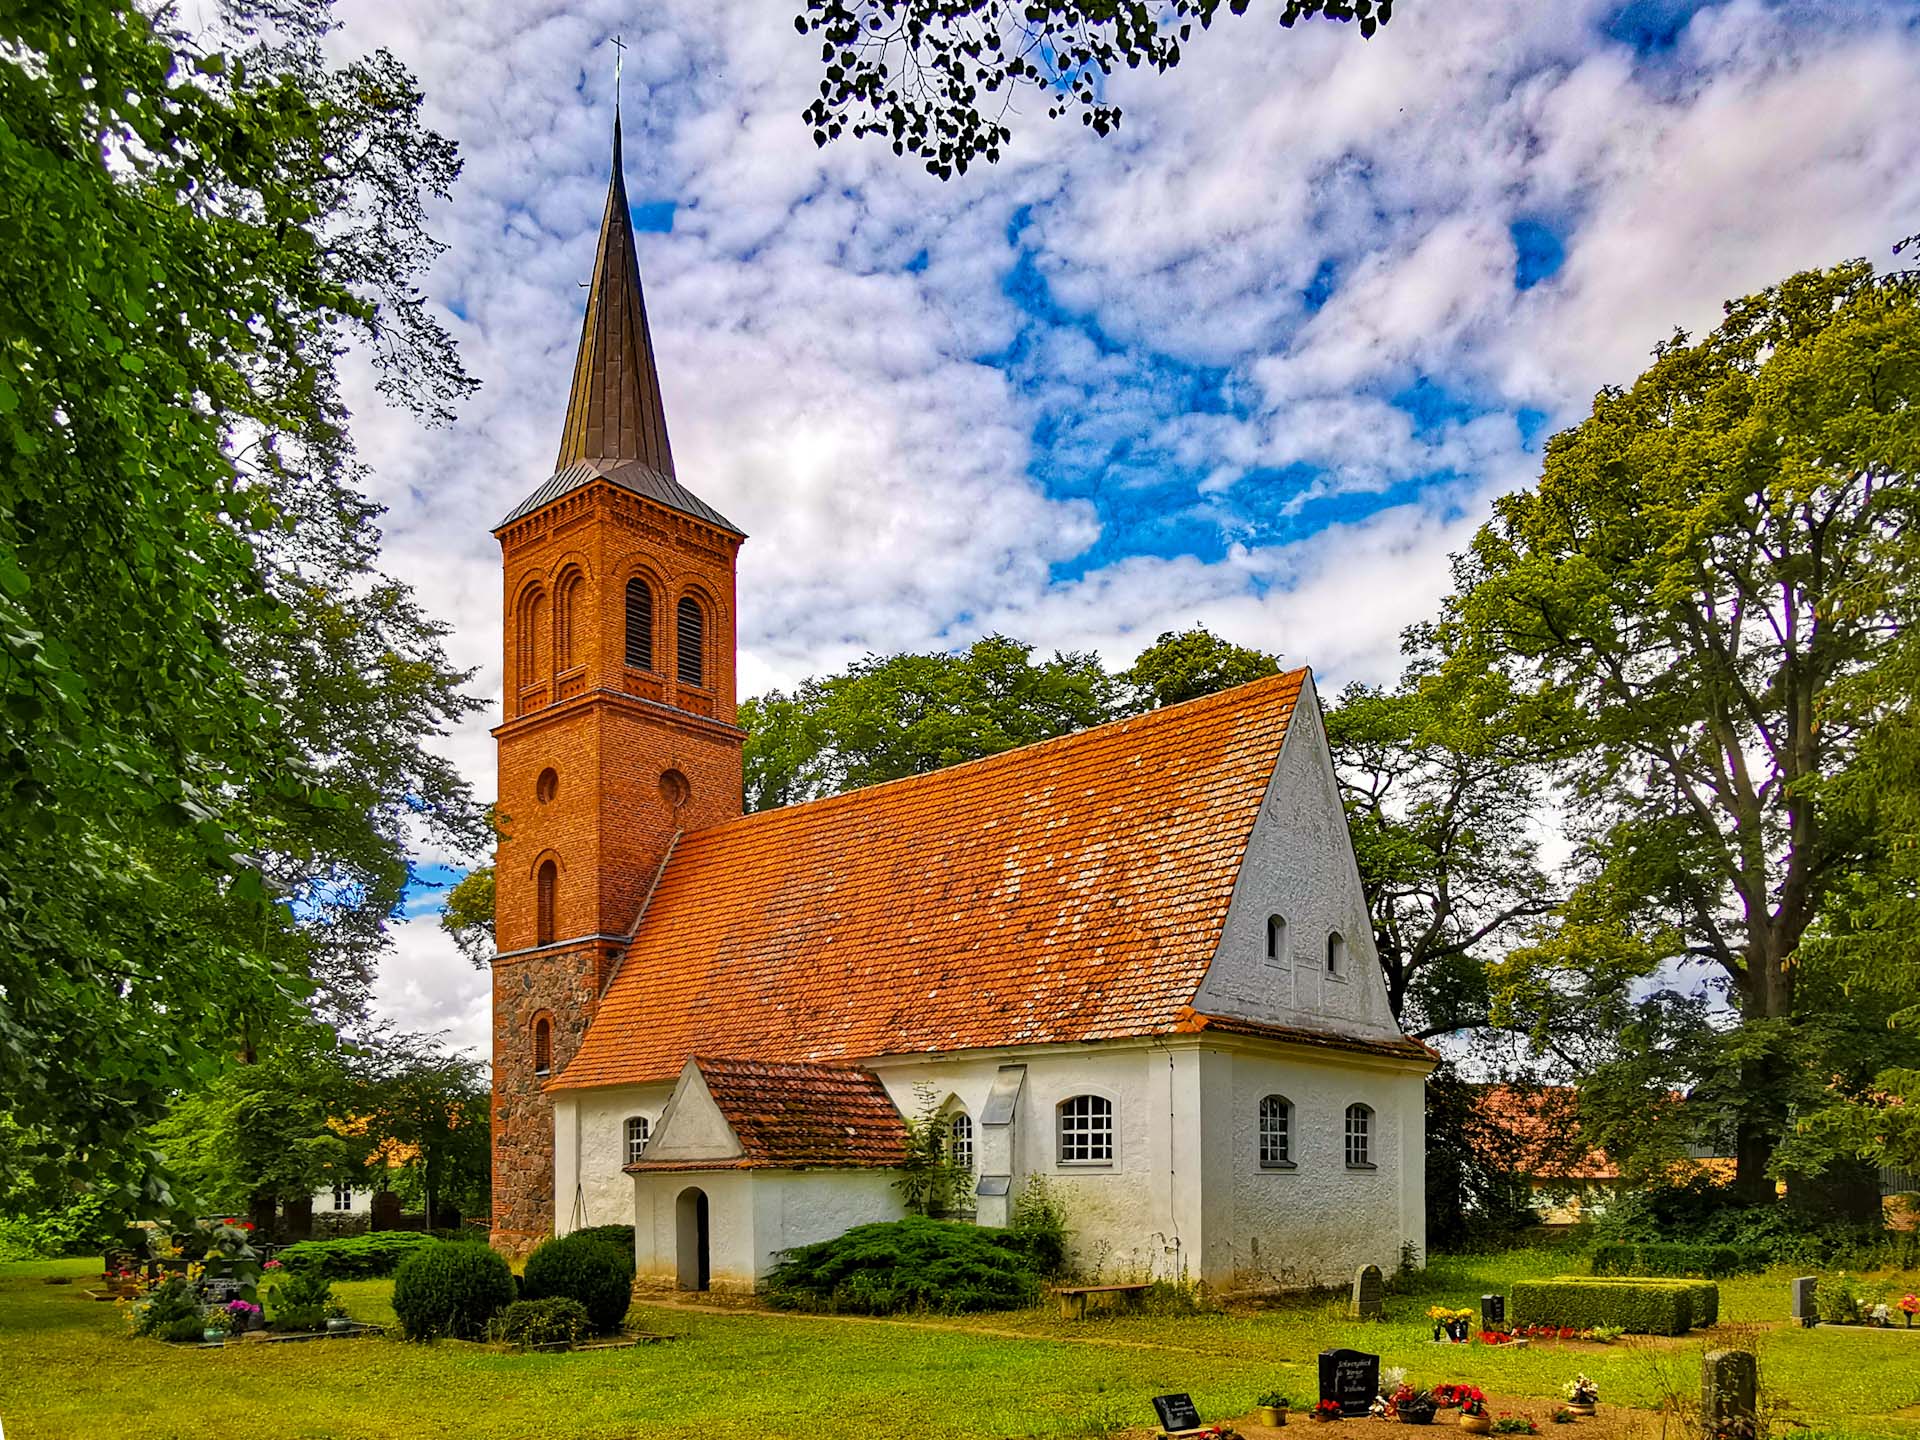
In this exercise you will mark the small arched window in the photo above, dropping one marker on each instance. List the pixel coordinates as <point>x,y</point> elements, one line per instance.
<point>690,653</point>
<point>1276,940</point>
<point>546,887</point>
<point>636,1138</point>
<point>1086,1130</point>
<point>639,624</point>
<point>542,1046</point>
<point>1359,1137</point>
<point>960,1142</point>
<point>342,1196</point>
<point>566,616</point>
<point>1276,1133</point>
<point>1336,953</point>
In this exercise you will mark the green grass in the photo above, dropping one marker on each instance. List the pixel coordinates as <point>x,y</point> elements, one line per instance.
<point>67,1369</point>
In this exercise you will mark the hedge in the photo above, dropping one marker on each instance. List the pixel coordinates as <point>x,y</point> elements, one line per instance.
<point>1652,1307</point>
<point>355,1257</point>
<point>618,1236</point>
<point>1714,1262</point>
<point>1706,1294</point>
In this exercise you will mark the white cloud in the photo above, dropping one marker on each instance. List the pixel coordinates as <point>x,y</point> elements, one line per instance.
<point>426,986</point>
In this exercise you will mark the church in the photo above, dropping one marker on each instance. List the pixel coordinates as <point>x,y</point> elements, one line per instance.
<point>1133,963</point>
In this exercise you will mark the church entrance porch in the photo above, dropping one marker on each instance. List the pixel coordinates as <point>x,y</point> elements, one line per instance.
<point>691,1227</point>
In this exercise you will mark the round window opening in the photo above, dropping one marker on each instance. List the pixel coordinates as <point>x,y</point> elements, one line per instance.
<point>674,789</point>
<point>547,786</point>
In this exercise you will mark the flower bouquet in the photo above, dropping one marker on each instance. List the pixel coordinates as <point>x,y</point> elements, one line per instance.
<point>1453,1325</point>
<point>1328,1410</point>
<point>1908,1305</point>
<point>1583,1396</point>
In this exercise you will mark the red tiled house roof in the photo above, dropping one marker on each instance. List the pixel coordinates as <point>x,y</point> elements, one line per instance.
<point>1070,890</point>
<point>796,1117</point>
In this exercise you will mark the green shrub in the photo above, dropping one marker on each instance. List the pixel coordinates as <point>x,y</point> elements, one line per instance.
<point>1039,1227</point>
<point>356,1257</point>
<point>1713,1262</point>
<point>300,1300</point>
<point>1706,1294</point>
<point>450,1290</point>
<point>169,1304</point>
<point>618,1236</point>
<point>1641,1307</point>
<point>580,1267</point>
<point>183,1329</point>
<point>1835,1301</point>
<point>911,1264</point>
<point>556,1320</point>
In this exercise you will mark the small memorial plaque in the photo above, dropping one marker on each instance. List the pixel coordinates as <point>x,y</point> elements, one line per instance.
<point>1350,1378</point>
<point>1493,1312</point>
<point>1803,1303</point>
<point>1176,1412</point>
<point>1369,1291</point>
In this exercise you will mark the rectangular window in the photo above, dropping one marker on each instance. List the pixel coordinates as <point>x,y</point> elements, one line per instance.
<point>1275,1118</point>
<point>1086,1131</point>
<point>343,1197</point>
<point>1359,1137</point>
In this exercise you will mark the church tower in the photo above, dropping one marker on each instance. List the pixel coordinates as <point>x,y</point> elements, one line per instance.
<point>619,730</point>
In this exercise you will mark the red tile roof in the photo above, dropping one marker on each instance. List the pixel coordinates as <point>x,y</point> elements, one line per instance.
<point>1069,890</point>
<point>1401,1049</point>
<point>794,1117</point>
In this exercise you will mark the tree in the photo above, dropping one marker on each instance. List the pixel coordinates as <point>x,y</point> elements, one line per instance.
<point>938,77</point>
<point>468,915</point>
<point>425,1109</point>
<point>1696,609</point>
<point>1186,664</point>
<point>214,702</point>
<point>1441,802</point>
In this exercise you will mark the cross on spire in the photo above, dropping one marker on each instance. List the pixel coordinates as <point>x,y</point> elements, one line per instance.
<point>619,56</point>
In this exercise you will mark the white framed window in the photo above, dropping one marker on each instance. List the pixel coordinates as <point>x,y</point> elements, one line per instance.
<point>960,1142</point>
<point>343,1197</point>
<point>1086,1130</point>
<point>636,1138</point>
<point>1359,1137</point>
<point>1276,1133</point>
<point>1336,954</point>
<point>1276,940</point>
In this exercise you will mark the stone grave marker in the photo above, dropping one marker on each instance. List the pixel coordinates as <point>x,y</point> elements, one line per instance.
<point>1729,1393</point>
<point>1804,1309</point>
<point>1176,1412</point>
<point>1369,1291</point>
<point>1351,1379</point>
<point>1493,1312</point>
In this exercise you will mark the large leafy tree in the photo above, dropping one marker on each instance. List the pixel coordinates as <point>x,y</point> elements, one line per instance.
<point>215,705</point>
<point>422,1110</point>
<point>938,78</point>
<point>1186,664</point>
<point>1698,606</point>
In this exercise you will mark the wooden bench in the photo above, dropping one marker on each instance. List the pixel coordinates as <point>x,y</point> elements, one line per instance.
<point>1073,1298</point>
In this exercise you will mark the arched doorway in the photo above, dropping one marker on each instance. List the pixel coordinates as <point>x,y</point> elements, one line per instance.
<point>690,1216</point>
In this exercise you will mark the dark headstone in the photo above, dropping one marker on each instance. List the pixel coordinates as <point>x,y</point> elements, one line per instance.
<point>386,1210</point>
<point>1176,1412</point>
<point>1804,1309</point>
<point>1369,1291</point>
<point>1493,1312</point>
<point>1729,1391</point>
<point>1350,1378</point>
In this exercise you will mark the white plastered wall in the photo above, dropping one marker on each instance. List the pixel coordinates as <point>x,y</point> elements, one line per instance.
<point>590,1152</point>
<point>753,1216</point>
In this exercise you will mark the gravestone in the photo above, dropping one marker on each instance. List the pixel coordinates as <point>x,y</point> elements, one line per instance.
<point>1493,1312</point>
<point>1804,1309</point>
<point>1369,1290</point>
<point>1351,1379</point>
<point>1729,1392</point>
<point>1176,1412</point>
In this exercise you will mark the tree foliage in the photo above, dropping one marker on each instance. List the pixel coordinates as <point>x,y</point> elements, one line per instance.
<point>1186,664</point>
<point>1698,608</point>
<point>212,696</point>
<point>938,78</point>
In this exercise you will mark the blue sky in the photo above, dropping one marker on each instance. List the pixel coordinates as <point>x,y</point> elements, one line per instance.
<point>1259,360</point>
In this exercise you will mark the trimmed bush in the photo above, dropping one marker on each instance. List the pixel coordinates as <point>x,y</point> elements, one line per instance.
<point>299,1300</point>
<point>450,1290</point>
<point>583,1268</point>
<point>618,1236</point>
<point>355,1257</point>
<point>1640,1307</point>
<point>1706,1294</point>
<point>553,1321</point>
<point>911,1264</point>
<point>1712,1262</point>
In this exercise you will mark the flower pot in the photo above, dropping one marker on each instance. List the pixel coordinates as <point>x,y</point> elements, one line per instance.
<point>339,1325</point>
<point>1579,1409</point>
<point>213,1335</point>
<point>1271,1415</point>
<point>1477,1424</point>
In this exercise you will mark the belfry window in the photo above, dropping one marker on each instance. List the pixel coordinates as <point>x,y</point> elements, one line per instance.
<point>639,624</point>
<point>545,886</point>
<point>1276,940</point>
<point>690,656</point>
<point>543,1046</point>
<point>1336,954</point>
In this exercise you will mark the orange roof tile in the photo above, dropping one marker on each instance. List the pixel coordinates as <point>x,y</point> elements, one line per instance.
<point>795,1117</point>
<point>1069,890</point>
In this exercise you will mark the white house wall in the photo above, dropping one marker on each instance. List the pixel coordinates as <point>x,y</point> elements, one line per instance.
<point>590,1152</point>
<point>1299,864</point>
<point>753,1216</point>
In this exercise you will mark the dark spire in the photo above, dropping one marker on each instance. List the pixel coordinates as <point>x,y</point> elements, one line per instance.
<point>614,412</point>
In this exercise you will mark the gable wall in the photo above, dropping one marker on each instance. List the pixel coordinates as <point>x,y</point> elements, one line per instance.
<point>590,1152</point>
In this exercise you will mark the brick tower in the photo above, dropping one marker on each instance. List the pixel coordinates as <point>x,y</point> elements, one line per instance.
<point>619,728</point>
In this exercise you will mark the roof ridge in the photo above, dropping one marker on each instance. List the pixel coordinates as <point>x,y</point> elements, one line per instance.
<point>1153,717</point>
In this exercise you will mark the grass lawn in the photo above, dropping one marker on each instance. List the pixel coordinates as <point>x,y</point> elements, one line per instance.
<point>67,1369</point>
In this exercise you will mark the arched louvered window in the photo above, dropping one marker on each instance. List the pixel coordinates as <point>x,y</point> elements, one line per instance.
<point>566,616</point>
<point>532,647</point>
<point>543,1046</point>
<point>546,883</point>
<point>639,624</point>
<point>690,660</point>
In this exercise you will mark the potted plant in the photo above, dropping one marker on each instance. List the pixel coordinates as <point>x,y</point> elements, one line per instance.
<point>1908,1305</point>
<point>1272,1408</point>
<point>1507,1423</point>
<point>1474,1418</point>
<point>1583,1396</point>
<point>1327,1410</point>
<point>1414,1407</point>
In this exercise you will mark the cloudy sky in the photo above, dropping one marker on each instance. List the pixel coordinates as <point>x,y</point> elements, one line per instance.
<point>1259,360</point>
